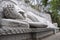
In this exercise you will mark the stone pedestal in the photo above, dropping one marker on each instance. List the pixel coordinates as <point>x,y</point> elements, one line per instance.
<point>25,34</point>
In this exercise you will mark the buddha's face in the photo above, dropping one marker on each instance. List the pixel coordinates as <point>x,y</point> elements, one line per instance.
<point>15,8</point>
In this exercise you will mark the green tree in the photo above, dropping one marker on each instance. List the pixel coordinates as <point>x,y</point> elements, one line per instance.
<point>55,8</point>
<point>44,2</point>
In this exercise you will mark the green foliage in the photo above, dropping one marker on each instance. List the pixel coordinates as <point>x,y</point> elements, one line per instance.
<point>55,4</point>
<point>44,2</point>
<point>55,8</point>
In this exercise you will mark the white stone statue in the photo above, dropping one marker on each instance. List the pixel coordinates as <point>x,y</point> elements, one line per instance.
<point>12,14</point>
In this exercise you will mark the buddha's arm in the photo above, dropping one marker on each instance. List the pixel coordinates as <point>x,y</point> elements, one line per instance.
<point>13,23</point>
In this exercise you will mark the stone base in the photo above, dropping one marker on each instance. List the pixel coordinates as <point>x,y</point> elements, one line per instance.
<point>27,34</point>
<point>55,31</point>
<point>23,36</point>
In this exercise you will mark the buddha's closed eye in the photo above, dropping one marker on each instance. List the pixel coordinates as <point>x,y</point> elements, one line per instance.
<point>23,14</point>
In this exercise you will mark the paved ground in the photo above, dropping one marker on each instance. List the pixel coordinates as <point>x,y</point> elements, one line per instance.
<point>53,37</point>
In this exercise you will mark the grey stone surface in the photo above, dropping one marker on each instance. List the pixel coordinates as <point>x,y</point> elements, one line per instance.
<point>17,37</point>
<point>41,35</point>
<point>53,37</point>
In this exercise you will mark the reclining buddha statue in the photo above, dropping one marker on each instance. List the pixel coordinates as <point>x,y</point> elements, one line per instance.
<point>13,16</point>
